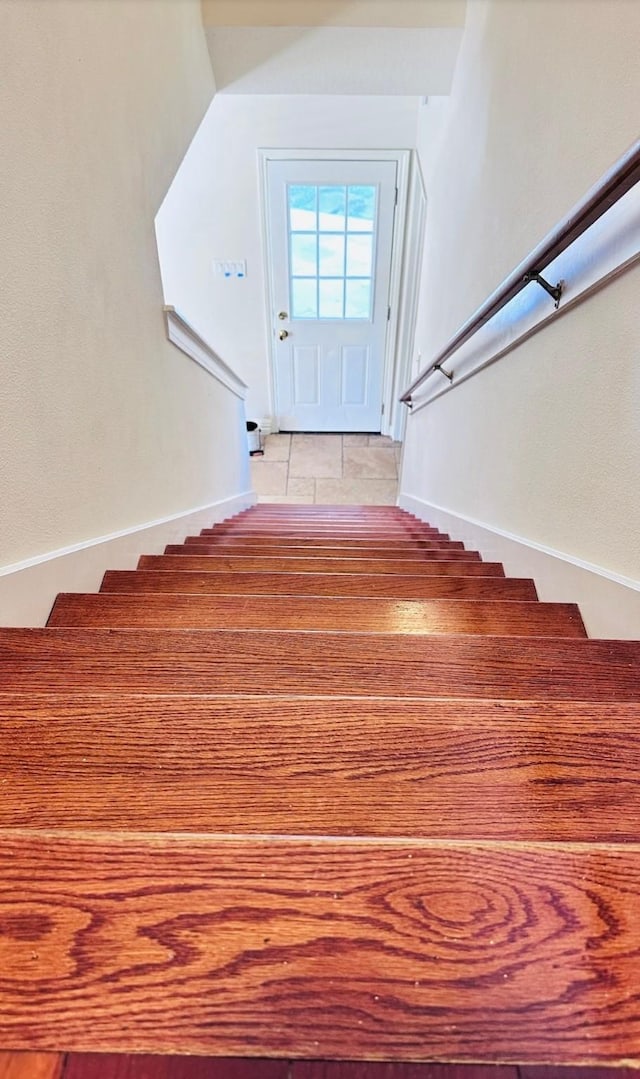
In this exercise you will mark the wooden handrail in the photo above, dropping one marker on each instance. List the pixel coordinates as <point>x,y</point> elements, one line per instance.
<point>615,183</point>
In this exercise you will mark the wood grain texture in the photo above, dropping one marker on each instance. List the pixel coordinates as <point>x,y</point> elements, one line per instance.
<point>146,1066</point>
<point>23,1065</point>
<point>311,531</point>
<point>209,661</point>
<point>300,551</point>
<point>427,545</point>
<point>389,586</point>
<point>437,554</point>
<point>430,769</point>
<point>427,567</point>
<point>302,613</point>
<point>317,544</point>
<point>222,563</point>
<point>403,950</point>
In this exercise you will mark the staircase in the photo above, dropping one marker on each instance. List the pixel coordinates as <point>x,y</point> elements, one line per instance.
<point>320,783</point>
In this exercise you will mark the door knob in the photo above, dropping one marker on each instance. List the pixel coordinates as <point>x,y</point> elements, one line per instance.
<point>283,335</point>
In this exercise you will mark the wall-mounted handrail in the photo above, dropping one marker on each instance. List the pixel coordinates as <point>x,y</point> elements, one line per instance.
<point>185,337</point>
<point>615,183</point>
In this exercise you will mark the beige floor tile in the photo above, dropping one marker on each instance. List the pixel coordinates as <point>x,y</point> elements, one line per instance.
<point>316,456</point>
<point>372,462</point>
<point>355,440</point>
<point>360,492</point>
<point>380,440</point>
<point>300,485</point>
<point>277,447</point>
<point>268,477</point>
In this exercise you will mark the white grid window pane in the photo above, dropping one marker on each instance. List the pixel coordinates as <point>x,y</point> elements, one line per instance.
<point>332,299</point>
<point>303,205</point>
<point>331,250</point>
<point>359,255</point>
<point>358,298</point>
<point>304,298</point>
<point>304,254</point>
<point>332,205</point>
<point>362,208</point>
<point>331,229</point>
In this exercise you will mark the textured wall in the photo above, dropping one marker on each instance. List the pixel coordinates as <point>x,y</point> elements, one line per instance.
<point>546,443</point>
<point>104,425</point>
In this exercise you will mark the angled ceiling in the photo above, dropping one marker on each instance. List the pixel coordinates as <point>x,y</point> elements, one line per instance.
<point>407,47</point>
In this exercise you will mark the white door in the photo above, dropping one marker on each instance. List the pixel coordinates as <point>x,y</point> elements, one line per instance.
<point>331,233</point>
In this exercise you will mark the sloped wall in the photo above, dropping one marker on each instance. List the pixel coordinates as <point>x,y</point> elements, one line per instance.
<point>544,445</point>
<point>104,426</point>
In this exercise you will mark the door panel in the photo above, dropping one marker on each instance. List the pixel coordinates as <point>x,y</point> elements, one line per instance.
<point>331,232</point>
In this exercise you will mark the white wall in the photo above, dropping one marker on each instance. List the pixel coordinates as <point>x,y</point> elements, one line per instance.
<point>544,445</point>
<point>213,211</point>
<point>105,426</point>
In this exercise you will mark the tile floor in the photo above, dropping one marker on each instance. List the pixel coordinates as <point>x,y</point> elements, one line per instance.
<point>358,469</point>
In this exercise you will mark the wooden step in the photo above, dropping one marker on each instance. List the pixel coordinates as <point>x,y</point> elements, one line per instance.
<point>299,551</point>
<point>239,564</point>
<point>438,568</point>
<point>313,529</point>
<point>428,545</point>
<point>323,664</point>
<point>317,544</point>
<point>317,584</point>
<point>430,554</point>
<point>302,614</point>
<point>325,947</point>
<point>333,767</point>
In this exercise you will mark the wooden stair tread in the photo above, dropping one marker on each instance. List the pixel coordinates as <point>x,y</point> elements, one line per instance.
<point>322,531</point>
<point>316,584</point>
<point>198,562</point>
<point>428,545</point>
<point>227,661</point>
<point>366,615</point>
<point>430,555</point>
<point>320,947</point>
<point>518,771</point>
<point>294,550</point>
<point>320,782</point>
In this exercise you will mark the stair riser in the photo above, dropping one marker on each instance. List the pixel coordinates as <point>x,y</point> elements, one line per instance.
<point>430,554</point>
<point>314,565</point>
<point>428,545</point>
<point>310,584</point>
<point>429,769</point>
<point>325,542</point>
<point>299,613</point>
<point>327,664</point>
<point>228,550</point>
<point>439,567</point>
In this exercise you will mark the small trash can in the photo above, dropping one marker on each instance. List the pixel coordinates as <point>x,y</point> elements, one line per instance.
<point>254,439</point>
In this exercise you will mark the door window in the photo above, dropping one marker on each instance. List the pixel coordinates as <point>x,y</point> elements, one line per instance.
<point>331,249</point>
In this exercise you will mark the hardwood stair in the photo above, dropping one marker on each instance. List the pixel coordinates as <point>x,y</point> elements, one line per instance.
<point>318,784</point>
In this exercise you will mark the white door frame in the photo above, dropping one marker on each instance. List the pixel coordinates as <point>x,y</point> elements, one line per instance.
<point>402,158</point>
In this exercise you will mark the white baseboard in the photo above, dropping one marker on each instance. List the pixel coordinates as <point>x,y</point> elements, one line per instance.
<point>609,603</point>
<point>28,589</point>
